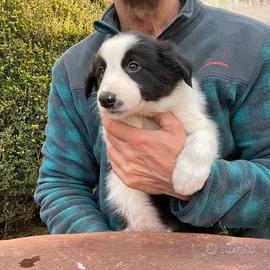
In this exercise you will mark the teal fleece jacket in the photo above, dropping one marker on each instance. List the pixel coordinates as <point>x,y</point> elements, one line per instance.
<point>231,59</point>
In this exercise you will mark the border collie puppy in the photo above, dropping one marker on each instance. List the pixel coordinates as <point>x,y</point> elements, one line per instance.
<point>136,77</point>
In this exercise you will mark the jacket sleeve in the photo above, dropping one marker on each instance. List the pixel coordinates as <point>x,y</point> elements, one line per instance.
<point>237,193</point>
<point>68,172</point>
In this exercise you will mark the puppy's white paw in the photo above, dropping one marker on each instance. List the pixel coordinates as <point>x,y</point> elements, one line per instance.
<point>189,177</point>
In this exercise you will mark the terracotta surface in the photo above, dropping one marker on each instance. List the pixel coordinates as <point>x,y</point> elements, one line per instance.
<point>134,251</point>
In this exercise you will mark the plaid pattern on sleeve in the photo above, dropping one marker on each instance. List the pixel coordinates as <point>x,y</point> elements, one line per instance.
<point>237,193</point>
<point>68,172</point>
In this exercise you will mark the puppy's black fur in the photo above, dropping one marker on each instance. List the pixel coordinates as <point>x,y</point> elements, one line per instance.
<point>162,68</point>
<point>93,78</point>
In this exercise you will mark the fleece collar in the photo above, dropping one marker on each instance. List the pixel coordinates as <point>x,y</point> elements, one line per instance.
<point>109,23</point>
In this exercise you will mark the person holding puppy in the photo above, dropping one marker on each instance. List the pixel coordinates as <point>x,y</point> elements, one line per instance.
<point>231,60</point>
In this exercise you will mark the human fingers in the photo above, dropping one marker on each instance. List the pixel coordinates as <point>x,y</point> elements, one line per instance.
<point>120,130</point>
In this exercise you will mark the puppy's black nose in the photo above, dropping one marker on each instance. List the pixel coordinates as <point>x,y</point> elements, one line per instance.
<point>107,100</point>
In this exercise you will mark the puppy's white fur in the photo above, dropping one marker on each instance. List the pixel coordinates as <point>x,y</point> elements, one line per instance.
<point>188,104</point>
<point>115,79</point>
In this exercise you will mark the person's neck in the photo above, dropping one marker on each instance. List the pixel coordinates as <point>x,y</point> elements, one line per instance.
<point>149,21</point>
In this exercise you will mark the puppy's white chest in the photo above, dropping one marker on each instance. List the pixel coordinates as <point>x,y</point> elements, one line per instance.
<point>140,122</point>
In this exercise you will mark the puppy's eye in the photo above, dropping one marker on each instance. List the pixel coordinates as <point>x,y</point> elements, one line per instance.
<point>101,72</point>
<point>133,67</point>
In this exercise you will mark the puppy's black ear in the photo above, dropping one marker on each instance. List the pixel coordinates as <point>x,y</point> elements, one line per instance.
<point>167,51</point>
<point>186,68</point>
<point>91,80</point>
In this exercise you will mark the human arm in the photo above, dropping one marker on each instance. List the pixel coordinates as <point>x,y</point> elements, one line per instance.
<point>68,173</point>
<point>236,194</point>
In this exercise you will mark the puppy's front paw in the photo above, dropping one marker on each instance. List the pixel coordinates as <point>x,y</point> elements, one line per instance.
<point>189,177</point>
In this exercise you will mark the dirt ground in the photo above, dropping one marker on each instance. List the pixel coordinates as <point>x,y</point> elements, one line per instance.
<point>259,10</point>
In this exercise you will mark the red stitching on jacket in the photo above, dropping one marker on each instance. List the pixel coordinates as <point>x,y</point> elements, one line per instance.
<point>217,63</point>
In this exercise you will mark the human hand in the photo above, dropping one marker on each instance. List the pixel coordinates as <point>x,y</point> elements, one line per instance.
<point>145,159</point>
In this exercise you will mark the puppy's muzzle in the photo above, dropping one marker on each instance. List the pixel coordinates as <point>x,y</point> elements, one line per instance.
<point>108,100</point>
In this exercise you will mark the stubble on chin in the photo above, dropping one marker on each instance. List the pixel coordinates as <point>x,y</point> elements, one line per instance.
<point>141,3</point>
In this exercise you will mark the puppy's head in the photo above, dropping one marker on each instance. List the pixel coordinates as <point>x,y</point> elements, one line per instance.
<point>132,71</point>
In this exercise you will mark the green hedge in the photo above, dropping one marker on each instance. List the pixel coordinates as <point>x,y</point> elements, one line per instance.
<point>33,33</point>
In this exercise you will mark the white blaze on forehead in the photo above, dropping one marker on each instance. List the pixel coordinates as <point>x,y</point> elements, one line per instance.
<point>115,79</point>
<point>114,49</point>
